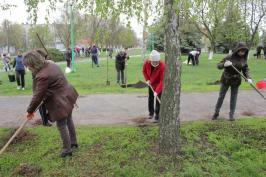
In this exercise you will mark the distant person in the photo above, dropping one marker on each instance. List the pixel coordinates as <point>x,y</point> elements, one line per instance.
<point>20,70</point>
<point>6,62</point>
<point>258,51</point>
<point>94,55</point>
<point>77,51</point>
<point>264,51</point>
<point>42,109</point>
<point>68,57</point>
<point>59,97</point>
<point>87,52</point>
<point>83,50</point>
<point>153,72</point>
<point>231,78</point>
<point>192,56</point>
<point>110,52</point>
<point>197,56</point>
<point>120,62</point>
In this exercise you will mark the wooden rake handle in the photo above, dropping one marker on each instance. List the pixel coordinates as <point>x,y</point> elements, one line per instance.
<point>17,132</point>
<point>14,135</point>
<point>242,75</point>
<point>158,99</point>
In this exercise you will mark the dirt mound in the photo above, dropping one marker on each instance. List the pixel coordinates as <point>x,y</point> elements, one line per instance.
<point>248,113</point>
<point>21,137</point>
<point>27,170</point>
<point>37,122</point>
<point>139,84</point>
<point>141,121</point>
<point>217,82</point>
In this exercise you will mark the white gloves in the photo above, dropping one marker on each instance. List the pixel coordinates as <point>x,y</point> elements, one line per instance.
<point>148,82</point>
<point>249,81</point>
<point>155,94</point>
<point>227,63</point>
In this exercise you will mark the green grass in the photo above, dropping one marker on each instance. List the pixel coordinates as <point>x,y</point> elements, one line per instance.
<point>89,80</point>
<point>219,148</point>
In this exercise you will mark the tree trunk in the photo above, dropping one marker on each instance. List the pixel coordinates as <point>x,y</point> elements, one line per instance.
<point>170,108</point>
<point>143,50</point>
<point>212,50</point>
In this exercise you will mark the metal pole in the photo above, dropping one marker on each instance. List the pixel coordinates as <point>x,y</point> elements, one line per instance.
<point>107,69</point>
<point>72,39</point>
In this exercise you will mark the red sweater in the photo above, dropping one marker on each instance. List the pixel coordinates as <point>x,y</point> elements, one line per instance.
<point>155,77</point>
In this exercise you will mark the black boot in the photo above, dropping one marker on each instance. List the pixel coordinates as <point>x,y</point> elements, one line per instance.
<point>74,146</point>
<point>150,117</point>
<point>231,117</point>
<point>215,116</point>
<point>156,119</point>
<point>64,154</point>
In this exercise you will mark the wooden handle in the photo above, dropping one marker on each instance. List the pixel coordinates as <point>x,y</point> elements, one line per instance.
<point>153,92</point>
<point>15,134</point>
<point>18,131</point>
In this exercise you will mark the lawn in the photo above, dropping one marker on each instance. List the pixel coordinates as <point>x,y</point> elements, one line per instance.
<point>88,80</point>
<point>207,148</point>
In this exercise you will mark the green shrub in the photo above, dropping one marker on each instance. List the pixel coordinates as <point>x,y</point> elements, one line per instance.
<point>55,54</point>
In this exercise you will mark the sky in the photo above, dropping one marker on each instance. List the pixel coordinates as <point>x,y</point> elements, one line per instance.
<point>19,15</point>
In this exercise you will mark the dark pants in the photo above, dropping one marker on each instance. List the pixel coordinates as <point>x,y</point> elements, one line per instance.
<point>44,115</point>
<point>197,59</point>
<point>94,59</point>
<point>68,63</point>
<point>7,67</point>
<point>233,99</point>
<point>151,104</point>
<point>120,76</point>
<point>191,57</point>
<point>67,132</point>
<point>20,78</point>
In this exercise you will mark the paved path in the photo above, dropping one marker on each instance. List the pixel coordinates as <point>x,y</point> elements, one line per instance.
<point>125,108</point>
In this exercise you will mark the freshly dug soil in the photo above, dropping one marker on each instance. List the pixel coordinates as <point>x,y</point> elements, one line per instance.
<point>27,170</point>
<point>22,136</point>
<point>248,113</point>
<point>139,84</point>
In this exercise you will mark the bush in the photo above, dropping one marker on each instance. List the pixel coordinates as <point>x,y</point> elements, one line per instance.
<point>55,54</point>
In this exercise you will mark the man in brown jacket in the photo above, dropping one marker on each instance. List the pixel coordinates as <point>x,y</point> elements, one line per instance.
<point>231,78</point>
<point>59,97</point>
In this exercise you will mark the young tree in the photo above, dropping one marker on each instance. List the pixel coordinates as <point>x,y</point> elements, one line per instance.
<point>233,27</point>
<point>17,36</point>
<point>253,11</point>
<point>170,109</point>
<point>6,30</point>
<point>208,16</point>
<point>44,33</point>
